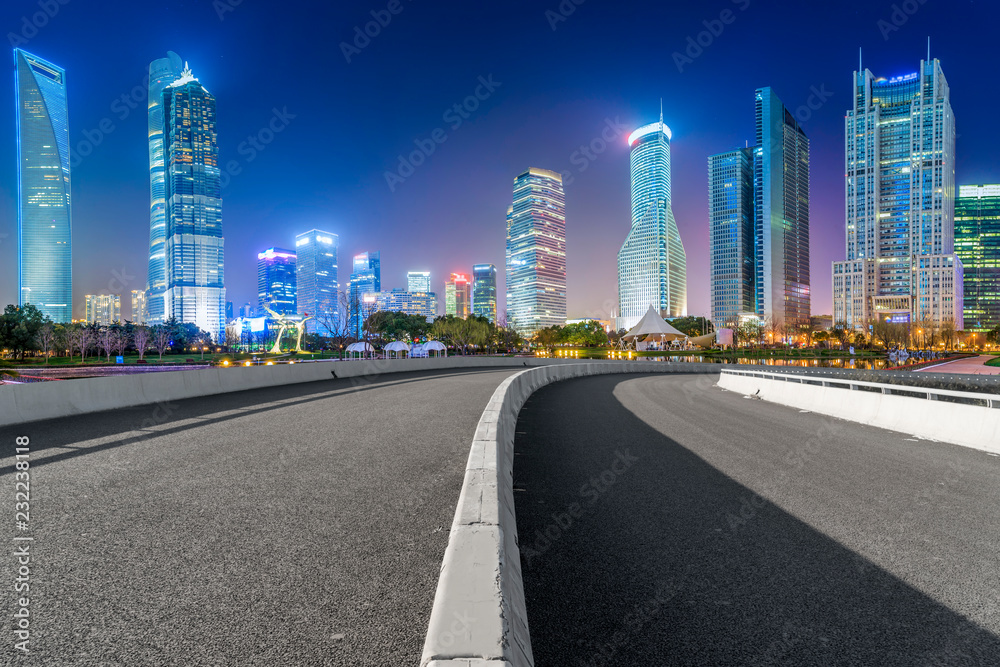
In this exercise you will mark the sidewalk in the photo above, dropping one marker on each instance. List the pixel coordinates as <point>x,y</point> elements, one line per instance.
<point>969,366</point>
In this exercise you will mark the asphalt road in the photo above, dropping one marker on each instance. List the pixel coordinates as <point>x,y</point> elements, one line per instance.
<point>664,521</point>
<point>298,525</point>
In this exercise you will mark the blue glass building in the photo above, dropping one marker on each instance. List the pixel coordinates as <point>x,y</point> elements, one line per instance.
<point>652,265</point>
<point>731,235</point>
<point>316,279</point>
<point>977,245</point>
<point>193,208</point>
<point>484,291</point>
<point>162,73</point>
<point>536,252</point>
<point>276,281</point>
<point>45,240</point>
<point>366,280</point>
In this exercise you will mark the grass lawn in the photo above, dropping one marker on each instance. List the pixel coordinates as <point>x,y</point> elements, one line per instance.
<point>995,361</point>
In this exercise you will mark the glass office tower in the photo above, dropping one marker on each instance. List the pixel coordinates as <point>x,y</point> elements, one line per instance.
<point>316,278</point>
<point>418,281</point>
<point>193,208</point>
<point>45,250</point>
<point>366,280</point>
<point>105,309</point>
<point>162,73</point>
<point>276,281</point>
<point>456,296</point>
<point>731,235</point>
<point>536,252</point>
<point>652,266</point>
<point>484,291</point>
<point>900,202</point>
<point>977,245</point>
<point>781,210</point>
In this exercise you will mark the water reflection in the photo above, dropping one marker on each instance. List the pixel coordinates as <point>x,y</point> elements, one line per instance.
<point>855,363</point>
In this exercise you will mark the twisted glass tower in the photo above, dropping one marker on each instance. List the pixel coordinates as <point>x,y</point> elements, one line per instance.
<point>45,272</point>
<point>193,208</point>
<point>652,266</point>
<point>162,73</point>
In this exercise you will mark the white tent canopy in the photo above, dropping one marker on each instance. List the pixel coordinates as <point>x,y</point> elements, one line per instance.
<point>396,347</point>
<point>425,349</point>
<point>655,327</point>
<point>360,347</point>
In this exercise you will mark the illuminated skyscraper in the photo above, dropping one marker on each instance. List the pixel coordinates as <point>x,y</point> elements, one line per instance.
<point>162,73</point>
<point>731,235</point>
<point>484,291</point>
<point>276,281</point>
<point>45,252</point>
<point>536,252</point>
<point>781,215</point>
<point>103,309</point>
<point>900,171</point>
<point>423,304</point>
<point>418,281</point>
<point>652,266</point>
<point>193,208</point>
<point>456,296</point>
<point>316,278</point>
<point>139,306</point>
<point>365,280</point>
<point>977,244</point>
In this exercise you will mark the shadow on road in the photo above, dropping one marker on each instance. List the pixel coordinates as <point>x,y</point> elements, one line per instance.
<point>635,551</point>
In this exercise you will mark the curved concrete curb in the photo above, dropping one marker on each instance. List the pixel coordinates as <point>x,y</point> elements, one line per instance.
<point>479,617</point>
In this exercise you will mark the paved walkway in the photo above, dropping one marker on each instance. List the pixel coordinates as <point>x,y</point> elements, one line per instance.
<point>969,366</point>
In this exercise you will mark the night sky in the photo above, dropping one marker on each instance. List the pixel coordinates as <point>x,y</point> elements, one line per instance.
<point>553,92</point>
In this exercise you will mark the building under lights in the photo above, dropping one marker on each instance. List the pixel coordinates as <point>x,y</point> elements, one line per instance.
<point>316,279</point>
<point>977,245</point>
<point>139,315</point>
<point>901,264</point>
<point>45,251</point>
<point>104,309</point>
<point>484,291</point>
<point>423,304</point>
<point>418,281</point>
<point>731,235</point>
<point>456,296</point>
<point>276,281</point>
<point>652,266</point>
<point>536,252</point>
<point>162,73</point>
<point>366,281</point>
<point>194,245</point>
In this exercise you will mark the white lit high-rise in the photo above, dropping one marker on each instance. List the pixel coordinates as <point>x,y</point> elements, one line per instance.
<point>900,203</point>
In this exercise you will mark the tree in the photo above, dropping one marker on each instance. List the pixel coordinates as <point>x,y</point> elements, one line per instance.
<point>548,337</point>
<point>106,340</point>
<point>337,324</point>
<point>45,338</point>
<point>507,337</point>
<point>141,338</point>
<point>82,337</point>
<point>585,334</point>
<point>19,327</point>
<point>692,326</point>
<point>161,339</point>
<point>232,337</point>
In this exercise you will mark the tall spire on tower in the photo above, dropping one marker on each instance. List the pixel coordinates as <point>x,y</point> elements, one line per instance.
<point>661,110</point>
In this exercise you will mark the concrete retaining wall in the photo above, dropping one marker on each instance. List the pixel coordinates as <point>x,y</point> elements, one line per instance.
<point>48,400</point>
<point>968,425</point>
<point>479,617</point>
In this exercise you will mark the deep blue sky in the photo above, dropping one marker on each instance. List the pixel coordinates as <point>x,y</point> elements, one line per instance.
<point>607,60</point>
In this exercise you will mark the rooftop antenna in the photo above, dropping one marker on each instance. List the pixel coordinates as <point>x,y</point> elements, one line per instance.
<point>661,110</point>
<point>928,48</point>
<point>859,61</point>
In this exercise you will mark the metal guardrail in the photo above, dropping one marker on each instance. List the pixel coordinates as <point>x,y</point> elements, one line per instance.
<point>928,393</point>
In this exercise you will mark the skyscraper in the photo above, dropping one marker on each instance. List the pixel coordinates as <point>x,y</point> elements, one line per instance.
<point>977,245</point>
<point>456,296</point>
<point>45,252</point>
<point>418,281</point>
<point>484,291</point>
<point>365,280</point>
<point>536,252</point>
<point>781,212</point>
<point>162,73</point>
<point>731,235</point>
<point>103,309</point>
<point>652,266</point>
<point>316,278</point>
<point>276,281</point>
<point>900,195</point>
<point>423,304</point>
<point>193,207</point>
<point>139,313</point>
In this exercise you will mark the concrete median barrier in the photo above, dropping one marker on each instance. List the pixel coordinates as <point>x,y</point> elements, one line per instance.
<point>479,616</point>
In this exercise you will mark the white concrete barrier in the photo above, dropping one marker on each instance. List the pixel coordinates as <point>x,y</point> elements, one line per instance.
<point>20,403</point>
<point>479,617</point>
<point>925,412</point>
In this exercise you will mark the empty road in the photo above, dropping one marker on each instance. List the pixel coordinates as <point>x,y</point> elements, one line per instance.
<point>298,525</point>
<point>664,521</point>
